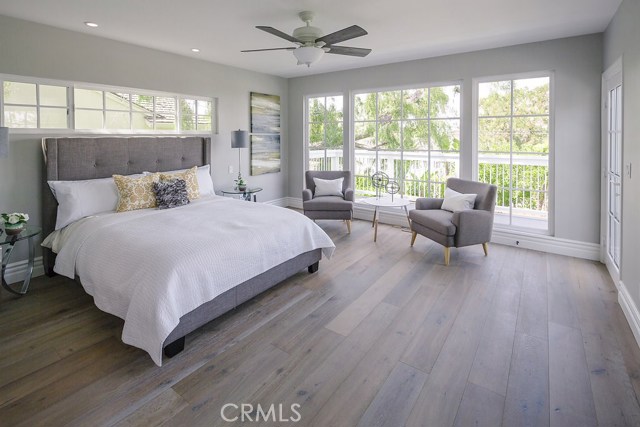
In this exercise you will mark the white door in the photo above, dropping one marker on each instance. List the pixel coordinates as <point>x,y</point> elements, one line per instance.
<point>612,159</point>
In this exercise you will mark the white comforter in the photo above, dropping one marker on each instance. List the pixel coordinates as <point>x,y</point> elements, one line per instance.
<point>150,267</point>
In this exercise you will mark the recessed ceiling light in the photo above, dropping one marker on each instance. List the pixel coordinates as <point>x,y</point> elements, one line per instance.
<point>195,49</point>
<point>91,24</point>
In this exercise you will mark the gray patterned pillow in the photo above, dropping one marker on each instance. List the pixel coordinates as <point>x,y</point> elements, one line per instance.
<point>171,193</point>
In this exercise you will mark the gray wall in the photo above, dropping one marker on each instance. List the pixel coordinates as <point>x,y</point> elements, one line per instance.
<point>29,49</point>
<point>577,64</point>
<point>622,39</point>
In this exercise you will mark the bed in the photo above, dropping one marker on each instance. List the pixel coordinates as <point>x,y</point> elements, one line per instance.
<point>74,159</point>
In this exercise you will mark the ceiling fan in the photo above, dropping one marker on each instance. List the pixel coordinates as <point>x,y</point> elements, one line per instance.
<point>312,44</point>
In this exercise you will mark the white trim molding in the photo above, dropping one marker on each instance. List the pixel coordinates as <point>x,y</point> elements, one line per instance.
<point>629,309</point>
<point>16,271</point>
<point>521,239</point>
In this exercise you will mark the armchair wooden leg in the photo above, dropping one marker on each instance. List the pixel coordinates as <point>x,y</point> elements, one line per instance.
<point>349,226</point>
<point>447,255</point>
<point>485,246</point>
<point>414,234</point>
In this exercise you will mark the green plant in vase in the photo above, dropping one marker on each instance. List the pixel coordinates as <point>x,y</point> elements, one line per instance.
<point>14,223</point>
<point>241,184</point>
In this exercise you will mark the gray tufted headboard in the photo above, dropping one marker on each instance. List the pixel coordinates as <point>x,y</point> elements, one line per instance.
<point>72,159</point>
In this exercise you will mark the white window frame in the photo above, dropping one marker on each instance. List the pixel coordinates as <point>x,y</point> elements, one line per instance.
<point>38,83</point>
<point>305,130</point>
<point>474,141</point>
<point>352,95</point>
<point>105,88</point>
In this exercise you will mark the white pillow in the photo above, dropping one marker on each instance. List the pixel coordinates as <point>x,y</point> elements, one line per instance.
<point>455,202</point>
<point>78,199</point>
<point>203,174</point>
<point>328,187</point>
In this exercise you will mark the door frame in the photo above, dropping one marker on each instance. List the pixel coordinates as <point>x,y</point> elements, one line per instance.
<point>611,74</point>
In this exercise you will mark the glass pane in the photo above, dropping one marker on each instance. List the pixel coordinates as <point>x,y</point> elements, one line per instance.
<point>19,93</point>
<point>87,98</point>
<point>142,103</point>
<point>494,98</point>
<point>364,106</point>
<point>494,135</point>
<point>316,110</point>
<point>316,136</point>
<point>204,107</point>
<point>165,113</point>
<point>531,134</point>
<point>389,105</point>
<point>445,101</point>
<point>495,169</point>
<point>365,135</point>
<point>416,135</point>
<point>188,122</point>
<point>416,174</point>
<point>142,121</point>
<point>204,122</point>
<point>531,96</point>
<point>117,101</point>
<point>445,135</point>
<point>117,120</point>
<point>165,122</point>
<point>334,108</point>
<point>88,119</point>
<point>365,166</point>
<point>415,103</point>
<point>444,165</point>
<point>53,118</point>
<point>317,160</point>
<point>334,134</point>
<point>388,135</point>
<point>54,96</point>
<point>20,117</point>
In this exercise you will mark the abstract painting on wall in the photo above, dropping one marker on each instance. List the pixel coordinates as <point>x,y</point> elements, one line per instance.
<point>265,133</point>
<point>265,154</point>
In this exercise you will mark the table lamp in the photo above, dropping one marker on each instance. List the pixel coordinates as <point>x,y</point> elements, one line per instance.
<point>239,139</point>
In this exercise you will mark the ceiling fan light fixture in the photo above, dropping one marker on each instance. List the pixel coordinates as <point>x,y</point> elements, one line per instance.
<point>308,55</point>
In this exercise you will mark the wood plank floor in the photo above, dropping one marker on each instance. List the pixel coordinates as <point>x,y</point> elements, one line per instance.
<point>383,335</point>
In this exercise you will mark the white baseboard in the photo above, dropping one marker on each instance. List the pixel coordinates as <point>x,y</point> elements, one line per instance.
<point>521,239</point>
<point>283,202</point>
<point>16,271</point>
<point>629,309</point>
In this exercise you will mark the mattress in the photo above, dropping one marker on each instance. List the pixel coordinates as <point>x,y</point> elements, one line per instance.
<point>150,267</point>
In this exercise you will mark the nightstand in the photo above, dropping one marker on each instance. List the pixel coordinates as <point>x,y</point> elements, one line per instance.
<point>246,194</point>
<point>7,244</point>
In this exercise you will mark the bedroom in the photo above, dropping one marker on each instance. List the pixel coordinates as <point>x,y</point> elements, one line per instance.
<point>82,55</point>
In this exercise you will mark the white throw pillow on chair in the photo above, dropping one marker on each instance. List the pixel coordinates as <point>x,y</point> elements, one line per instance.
<point>328,187</point>
<point>455,202</point>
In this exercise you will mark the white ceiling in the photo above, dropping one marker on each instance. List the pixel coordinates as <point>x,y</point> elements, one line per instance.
<point>399,30</point>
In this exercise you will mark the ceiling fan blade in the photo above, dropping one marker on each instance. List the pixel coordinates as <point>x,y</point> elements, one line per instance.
<point>351,51</point>
<point>275,48</point>
<point>345,34</point>
<point>278,33</point>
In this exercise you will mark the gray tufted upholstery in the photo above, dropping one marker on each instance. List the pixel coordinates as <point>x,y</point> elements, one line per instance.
<point>328,207</point>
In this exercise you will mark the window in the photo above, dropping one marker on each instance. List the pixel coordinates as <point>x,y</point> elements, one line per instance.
<point>33,105</point>
<point>413,135</point>
<point>513,148</point>
<point>325,140</point>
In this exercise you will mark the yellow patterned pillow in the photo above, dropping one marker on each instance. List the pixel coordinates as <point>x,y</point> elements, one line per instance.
<point>136,193</point>
<point>190,177</point>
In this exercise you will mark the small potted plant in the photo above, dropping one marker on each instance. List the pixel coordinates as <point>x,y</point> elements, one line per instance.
<point>241,183</point>
<point>14,223</point>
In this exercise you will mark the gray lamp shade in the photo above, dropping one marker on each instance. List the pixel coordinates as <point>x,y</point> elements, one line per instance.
<point>4,142</point>
<point>239,139</point>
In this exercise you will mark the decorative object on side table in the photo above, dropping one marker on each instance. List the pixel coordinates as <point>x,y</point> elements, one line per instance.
<point>14,223</point>
<point>7,243</point>
<point>239,140</point>
<point>381,180</point>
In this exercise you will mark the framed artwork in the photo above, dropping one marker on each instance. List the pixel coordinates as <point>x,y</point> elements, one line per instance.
<point>265,154</point>
<point>265,133</point>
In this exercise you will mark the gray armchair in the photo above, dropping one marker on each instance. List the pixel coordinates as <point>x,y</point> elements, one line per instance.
<point>456,229</point>
<point>328,207</point>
